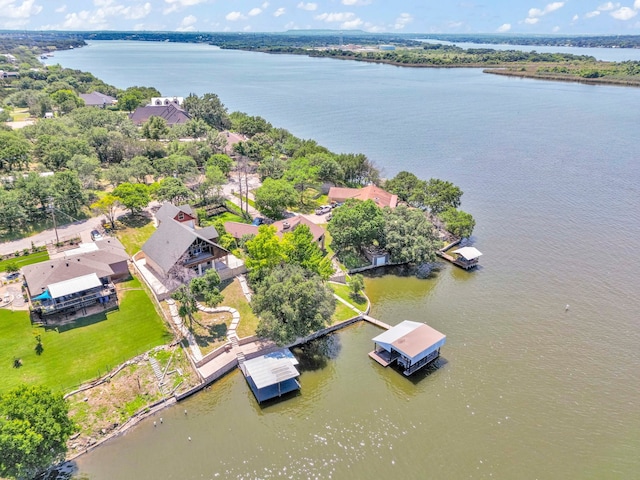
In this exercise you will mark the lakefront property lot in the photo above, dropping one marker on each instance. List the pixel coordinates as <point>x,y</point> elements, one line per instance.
<point>82,350</point>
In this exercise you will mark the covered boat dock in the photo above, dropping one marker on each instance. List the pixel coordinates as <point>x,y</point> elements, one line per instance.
<point>411,345</point>
<point>272,375</point>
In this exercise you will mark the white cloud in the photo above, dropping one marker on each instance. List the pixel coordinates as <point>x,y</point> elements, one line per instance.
<point>575,18</point>
<point>536,13</point>
<point>186,25</point>
<point>255,11</point>
<point>505,27</point>
<point>556,29</point>
<point>403,20</point>
<point>235,16</point>
<point>351,24</point>
<point>175,5</point>
<point>247,28</point>
<point>606,7</point>
<point>8,9</point>
<point>624,13</point>
<point>279,12</point>
<point>636,4</point>
<point>310,7</point>
<point>593,14</point>
<point>336,17</point>
<point>61,9</point>
<point>265,5</point>
<point>356,2</point>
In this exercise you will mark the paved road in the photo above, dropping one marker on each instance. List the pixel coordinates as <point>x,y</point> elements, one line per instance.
<point>82,228</point>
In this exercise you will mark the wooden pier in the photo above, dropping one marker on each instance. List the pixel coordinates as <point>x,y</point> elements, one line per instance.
<point>467,256</point>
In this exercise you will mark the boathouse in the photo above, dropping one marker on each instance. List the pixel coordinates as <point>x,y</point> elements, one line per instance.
<point>272,375</point>
<point>411,345</point>
<point>467,257</point>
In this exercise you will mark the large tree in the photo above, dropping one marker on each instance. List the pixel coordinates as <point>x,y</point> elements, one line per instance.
<point>14,150</point>
<point>134,196</point>
<point>208,108</point>
<point>172,190</point>
<point>355,225</point>
<point>34,429</point>
<point>300,249</point>
<point>302,174</point>
<point>292,302</point>
<point>439,195</point>
<point>409,237</point>
<point>264,252</point>
<point>108,206</point>
<point>274,197</point>
<point>459,223</point>
<point>67,192</point>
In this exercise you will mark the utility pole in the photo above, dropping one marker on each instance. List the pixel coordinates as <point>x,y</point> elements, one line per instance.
<point>53,216</point>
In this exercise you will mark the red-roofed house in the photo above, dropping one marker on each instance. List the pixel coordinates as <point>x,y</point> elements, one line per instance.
<point>381,197</point>
<point>238,230</point>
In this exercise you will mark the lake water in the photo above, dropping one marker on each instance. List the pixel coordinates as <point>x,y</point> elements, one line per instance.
<point>524,389</point>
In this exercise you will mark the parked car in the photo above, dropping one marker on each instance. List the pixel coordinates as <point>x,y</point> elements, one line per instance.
<point>96,235</point>
<point>329,217</point>
<point>323,209</point>
<point>257,221</point>
<point>12,276</point>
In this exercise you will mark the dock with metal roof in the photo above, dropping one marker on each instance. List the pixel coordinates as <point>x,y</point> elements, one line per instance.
<point>411,345</point>
<point>467,257</point>
<point>272,375</point>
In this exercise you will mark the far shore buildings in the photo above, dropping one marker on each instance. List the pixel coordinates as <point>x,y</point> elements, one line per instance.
<point>81,278</point>
<point>381,197</point>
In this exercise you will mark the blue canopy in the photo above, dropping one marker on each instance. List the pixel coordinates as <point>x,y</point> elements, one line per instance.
<point>43,296</point>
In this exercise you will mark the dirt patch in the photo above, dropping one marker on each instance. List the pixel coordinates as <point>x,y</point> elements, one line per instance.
<point>211,330</point>
<point>102,409</point>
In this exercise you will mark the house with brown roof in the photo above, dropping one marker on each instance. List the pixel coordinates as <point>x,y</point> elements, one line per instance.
<point>81,278</point>
<point>171,113</point>
<point>97,99</point>
<point>238,230</point>
<point>381,197</point>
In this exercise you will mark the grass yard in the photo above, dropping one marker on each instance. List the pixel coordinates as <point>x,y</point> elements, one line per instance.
<point>228,217</point>
<point>211,332</point>
<point>83,350</point>
<point>343,292</point>
<point>135,233</point>
<point>233,297</point>
<point>25,260</point>
<point>342,313</point>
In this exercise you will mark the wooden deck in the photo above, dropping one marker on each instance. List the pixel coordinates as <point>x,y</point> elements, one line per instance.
<point>442,253</point>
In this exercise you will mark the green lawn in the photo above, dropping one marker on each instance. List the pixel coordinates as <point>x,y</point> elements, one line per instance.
<point>343,292</point>
<point>233,297</point>
<point>342,313</point>
<point>83,350</point>
<point>25,260</point>
<point>229,217</point>
<point>133,237</point>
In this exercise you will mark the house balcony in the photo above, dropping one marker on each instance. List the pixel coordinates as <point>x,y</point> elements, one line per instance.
<point>200,258</point>
<point>77,300</point>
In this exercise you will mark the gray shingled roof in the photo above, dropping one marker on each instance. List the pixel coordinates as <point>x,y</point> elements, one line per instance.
<point>171,113</point>
<point>168,211</point>
<point>170,241</point>
<point>96,99</point>
<point>101,262</point>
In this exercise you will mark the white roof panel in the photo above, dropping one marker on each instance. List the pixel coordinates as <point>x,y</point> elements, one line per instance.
<point>75,285</point>
<point>272,368</point>
<point>397,332</point>
<point>82,248</point>
<point>468,252</point>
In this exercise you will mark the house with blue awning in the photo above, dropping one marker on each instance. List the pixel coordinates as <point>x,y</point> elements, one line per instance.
<point>83,277</point>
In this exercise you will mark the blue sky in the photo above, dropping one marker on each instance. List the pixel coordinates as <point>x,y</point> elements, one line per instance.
<point>411,16</point>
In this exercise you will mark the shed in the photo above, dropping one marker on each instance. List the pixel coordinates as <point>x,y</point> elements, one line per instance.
<point>411,345</point>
